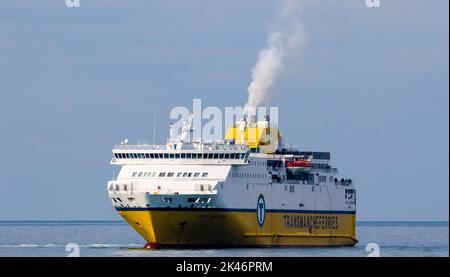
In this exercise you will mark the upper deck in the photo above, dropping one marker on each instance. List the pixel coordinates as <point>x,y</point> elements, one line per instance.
<point>218,153</point>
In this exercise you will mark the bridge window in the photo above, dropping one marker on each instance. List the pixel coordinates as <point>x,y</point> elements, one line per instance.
<point>166,156</point>
<point>210,155</point>
<point>221,156</point>
<point>177,156</point>
<point>216,156</point>
<point>167,199</point>
<point>191,200</point>
<point>171,155</point>
<point>179,174</point>
<point>227,156</point>
<point>232,156</point>
<point>183,155</point>
<point>162,174</point>
<point>194,155</point>
<point>140,174</point>
<point>185,174</point>
<point>196,174</point>
<point>189,174</point>
<point>134,174</point>
<point>205,174</point>
<point>170,174</point>
<point>188,155</point>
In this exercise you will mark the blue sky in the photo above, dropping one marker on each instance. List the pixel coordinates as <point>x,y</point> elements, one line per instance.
<point>372,87</point>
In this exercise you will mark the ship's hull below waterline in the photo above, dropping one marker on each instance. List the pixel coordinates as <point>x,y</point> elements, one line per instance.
<point>241,228</point>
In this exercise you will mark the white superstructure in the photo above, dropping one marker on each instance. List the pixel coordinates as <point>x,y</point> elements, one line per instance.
<point>189,175</point>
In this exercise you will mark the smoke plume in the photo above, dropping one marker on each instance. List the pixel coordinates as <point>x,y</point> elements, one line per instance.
<point>283,44</point>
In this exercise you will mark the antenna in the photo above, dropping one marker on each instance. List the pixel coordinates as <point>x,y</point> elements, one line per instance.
<point>154,125</point>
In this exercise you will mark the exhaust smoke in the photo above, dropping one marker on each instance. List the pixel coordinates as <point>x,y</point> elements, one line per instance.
<point>284,43</point>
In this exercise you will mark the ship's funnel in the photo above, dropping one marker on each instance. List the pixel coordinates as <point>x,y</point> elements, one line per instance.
<point>259,136</point>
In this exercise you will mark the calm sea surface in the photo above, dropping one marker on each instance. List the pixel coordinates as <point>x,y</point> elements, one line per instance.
<point>115,238</point>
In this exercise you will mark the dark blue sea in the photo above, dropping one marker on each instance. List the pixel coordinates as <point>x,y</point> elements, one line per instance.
<point>116,238</point>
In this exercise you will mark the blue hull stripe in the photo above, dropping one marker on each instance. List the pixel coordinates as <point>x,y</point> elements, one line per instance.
<point>231,210</point>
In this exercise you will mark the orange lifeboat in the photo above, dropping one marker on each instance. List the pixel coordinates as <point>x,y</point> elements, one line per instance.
<point>299,166</point>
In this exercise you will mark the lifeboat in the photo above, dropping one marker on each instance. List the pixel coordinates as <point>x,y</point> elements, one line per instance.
<point>299,166</point>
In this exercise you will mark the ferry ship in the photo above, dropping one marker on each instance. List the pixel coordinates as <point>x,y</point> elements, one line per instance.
<point>248,190</point>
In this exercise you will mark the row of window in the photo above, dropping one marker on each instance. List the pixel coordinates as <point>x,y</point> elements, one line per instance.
<point>171,174</point>
<point>249,175</point>
<point>221,156</point>
<point>255,162</point>
<point>323,179</point>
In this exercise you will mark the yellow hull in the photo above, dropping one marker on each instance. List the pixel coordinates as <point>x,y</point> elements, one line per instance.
<point>240,228</point>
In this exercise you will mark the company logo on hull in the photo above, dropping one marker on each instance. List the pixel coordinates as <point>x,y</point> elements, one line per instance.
<point>261,210</point>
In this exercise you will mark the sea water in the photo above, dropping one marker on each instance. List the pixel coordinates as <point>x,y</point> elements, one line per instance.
<point>117,238</point>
